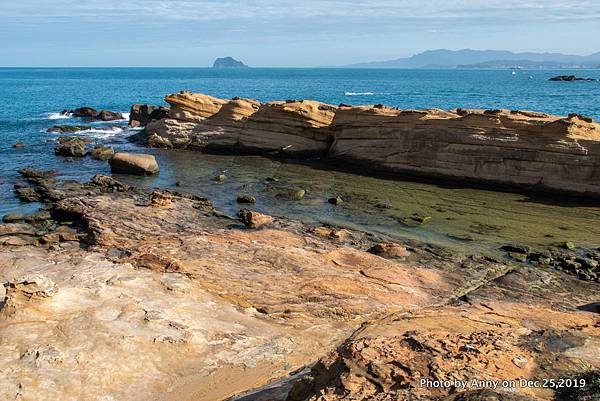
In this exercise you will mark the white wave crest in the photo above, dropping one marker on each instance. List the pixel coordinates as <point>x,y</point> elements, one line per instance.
<point>359,93</point>
<point>366,93</point>
<point>58,116</point>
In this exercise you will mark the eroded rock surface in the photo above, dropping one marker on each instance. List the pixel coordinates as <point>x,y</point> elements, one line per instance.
<point>517,148</point>
<point>150,295</point>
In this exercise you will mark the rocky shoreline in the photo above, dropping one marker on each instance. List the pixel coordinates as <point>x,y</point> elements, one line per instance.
<point>217,306</point>
<point>117,292</point>
<point>522,149</point>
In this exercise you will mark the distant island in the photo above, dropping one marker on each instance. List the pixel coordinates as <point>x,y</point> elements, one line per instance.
<point>228,62</point>
<point>468,58</point>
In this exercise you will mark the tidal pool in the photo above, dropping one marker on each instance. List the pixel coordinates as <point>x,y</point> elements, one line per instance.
<point>454,216</point>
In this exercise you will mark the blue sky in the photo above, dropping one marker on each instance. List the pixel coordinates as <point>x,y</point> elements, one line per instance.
<point>284,32</point>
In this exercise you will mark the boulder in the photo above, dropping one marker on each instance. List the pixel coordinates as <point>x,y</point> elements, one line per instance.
<point>106,115</point>
<point>85,112</point>
<point>72,146</point>
<point>102,153</point>
<point>246,199</point>
<point>134,163</point>
<point>254,219</point>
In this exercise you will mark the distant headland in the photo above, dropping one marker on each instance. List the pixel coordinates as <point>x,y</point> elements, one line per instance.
<point>468,58</point>
<point>228,62</point>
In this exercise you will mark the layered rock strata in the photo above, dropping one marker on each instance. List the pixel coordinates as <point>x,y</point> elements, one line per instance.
<point>154,295</point>
<point>517,148</point>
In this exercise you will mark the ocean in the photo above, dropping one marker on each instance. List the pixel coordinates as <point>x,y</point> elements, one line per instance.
<point>33,99</point>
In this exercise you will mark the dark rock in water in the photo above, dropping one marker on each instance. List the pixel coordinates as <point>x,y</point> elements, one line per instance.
<point>72,146</point>
<point>570,78</point>
<point>567,245</point>
<point>138,137</point>
<point>30,172</point>
<point>246,199</point>
<point>134,163</point>
<point>293,194</point>
<point>220,178</point>
<point>142,114</point>
<point>86,112</point>
<point>228,62</point>
<point>336,201</point>
<point>93,114</point>
<point>38,217</point>
<point>19,145</point>
<point>106,115</point>
<point>516,248</point>
<point>13,218</point>
<point>109,184</point>
<point>102,153</point>
<point>27,194</point>
<point>420,218</point>
<point>63,129</point>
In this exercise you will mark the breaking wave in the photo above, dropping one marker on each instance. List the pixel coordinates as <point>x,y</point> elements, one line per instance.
<point>58,116</point>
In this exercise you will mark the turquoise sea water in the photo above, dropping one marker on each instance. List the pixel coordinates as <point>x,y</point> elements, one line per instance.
<point>33,99</point>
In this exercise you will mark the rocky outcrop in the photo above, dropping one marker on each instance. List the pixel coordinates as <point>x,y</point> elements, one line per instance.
<point>523,149</point>
<point>291,127</point>
<point>570,78</point>
<point>152,294</point>
<point>72,146</point>
<point>93,114</point>
<point>142,114</point>
<point>27,289</point>
<point>62,129</point>
<point>498,146</point>
<point>133,163</point>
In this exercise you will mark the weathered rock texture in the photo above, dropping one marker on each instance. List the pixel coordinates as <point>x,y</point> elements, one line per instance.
<point>168,301</point>
<point>516,148</point>
<point>133,163</point>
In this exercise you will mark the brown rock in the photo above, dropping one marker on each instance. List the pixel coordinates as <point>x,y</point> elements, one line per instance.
<point>134,163</point>
<point>254,219</point>
<point>19,145</point>
<point>106,115</point>
<point>389,250</point>
<point>102,152</point>
<point>72,146</point>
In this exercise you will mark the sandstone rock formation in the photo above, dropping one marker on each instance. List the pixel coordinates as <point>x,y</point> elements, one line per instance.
<point>133,163</point>
<point>162,298</point>
<point>522,149</point>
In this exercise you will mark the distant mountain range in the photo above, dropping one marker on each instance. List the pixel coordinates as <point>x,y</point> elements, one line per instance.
<point>468,58</point>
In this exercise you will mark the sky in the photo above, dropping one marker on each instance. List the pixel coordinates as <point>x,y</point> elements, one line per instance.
<point>283,33</point>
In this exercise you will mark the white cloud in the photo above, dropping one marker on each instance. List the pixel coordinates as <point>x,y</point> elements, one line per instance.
<point>212,10</point>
